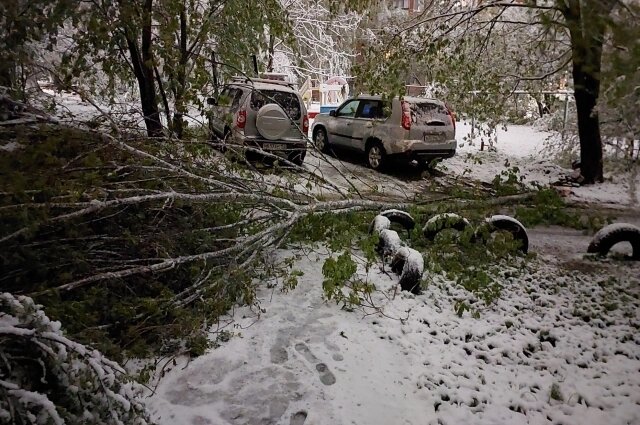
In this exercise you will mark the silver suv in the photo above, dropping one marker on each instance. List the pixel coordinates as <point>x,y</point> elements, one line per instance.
<point>410,128</point>
<point>265,114</point>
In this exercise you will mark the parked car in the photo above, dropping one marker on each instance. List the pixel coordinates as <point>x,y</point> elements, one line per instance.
<point>261,113</point>
<point>406,129</point>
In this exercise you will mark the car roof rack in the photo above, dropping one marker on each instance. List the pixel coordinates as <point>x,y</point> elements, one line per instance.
<point>244,79</point>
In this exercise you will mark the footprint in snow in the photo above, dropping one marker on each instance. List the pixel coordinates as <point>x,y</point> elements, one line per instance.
<point>298,418</point>
<point>326,376</point>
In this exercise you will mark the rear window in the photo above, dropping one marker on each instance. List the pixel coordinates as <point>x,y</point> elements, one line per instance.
<point>422,113</point>
<point>287,101</point>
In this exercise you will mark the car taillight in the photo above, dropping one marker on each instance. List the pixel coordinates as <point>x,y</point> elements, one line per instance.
<point>453,117</point>
<point>241,118</point>
<point>406,115</point>
<point>305,124</point>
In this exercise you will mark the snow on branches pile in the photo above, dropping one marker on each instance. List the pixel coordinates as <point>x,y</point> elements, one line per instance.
<point>45,378</point>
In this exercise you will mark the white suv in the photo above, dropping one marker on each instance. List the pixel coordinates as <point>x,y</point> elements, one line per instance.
<point>410,128</point>
<point>265,114</point>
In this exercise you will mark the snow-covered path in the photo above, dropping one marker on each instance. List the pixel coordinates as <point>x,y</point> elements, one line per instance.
<point>560,346</point>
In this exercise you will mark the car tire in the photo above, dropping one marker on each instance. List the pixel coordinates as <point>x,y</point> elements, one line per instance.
<point>410,277</point>
<point>612,234</point>
<point>503,223</point>
<point>402,218</point>
<point>376,156</point>
<point>439,222</point>
<point>321,140</point>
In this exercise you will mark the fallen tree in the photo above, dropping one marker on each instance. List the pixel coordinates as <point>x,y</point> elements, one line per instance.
<point>139,244</point>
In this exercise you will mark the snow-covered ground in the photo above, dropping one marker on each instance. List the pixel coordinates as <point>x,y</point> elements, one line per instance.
<point>560,346</point>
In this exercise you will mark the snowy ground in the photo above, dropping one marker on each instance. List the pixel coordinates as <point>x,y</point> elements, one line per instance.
<point>561,345</point>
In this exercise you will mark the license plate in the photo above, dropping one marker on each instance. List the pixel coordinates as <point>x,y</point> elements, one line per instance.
<point>434,138</point>
<point>272,146</point>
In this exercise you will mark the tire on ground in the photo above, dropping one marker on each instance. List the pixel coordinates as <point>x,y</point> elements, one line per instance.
<point>439,222</point>
<point>378,224</point>
<point>402,218</point>
<point>412,269</point>
<point>612,234</point>
<point>504,223</point>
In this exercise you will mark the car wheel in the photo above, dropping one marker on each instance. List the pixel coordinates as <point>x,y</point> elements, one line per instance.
<point>321,141</point>
<point>375,156</point>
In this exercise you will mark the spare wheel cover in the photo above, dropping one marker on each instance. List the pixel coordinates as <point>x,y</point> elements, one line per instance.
<point>272,122</point>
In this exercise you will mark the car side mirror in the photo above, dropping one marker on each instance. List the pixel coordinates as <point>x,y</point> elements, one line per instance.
<point>212,101</point>
<point>332,113</point>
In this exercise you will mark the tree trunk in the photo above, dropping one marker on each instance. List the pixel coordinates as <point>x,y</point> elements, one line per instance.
<point>181,86</point>
<point>7,75</point>
<point>586,21</point>
<point>586,91</point>
<point>142,61</point>
<point>271,53</point>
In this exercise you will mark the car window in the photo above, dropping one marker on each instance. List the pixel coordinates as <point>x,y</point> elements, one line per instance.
<point>348,109</point>
<point>373,109</point>
<point>422,113</point>
<point>230,97</point>
<point>288,101</point>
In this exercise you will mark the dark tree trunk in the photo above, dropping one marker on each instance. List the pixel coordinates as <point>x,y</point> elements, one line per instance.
<point>271,52</point>
<point>587,24</point>
<point>142,61</point>
<point>586,90</point>
<point>7,75</point>
<point>181,86</point>
<point>540,107</point>
<point>163,96</point>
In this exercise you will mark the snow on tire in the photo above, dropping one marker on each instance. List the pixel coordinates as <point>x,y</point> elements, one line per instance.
<point>389,242</point>
<point>410,265</point>
<point>379,224</point>
<point>400,217</point>
<point>504,223</point>
<point>612,234</point>
<point>406,262</point>
<point>439,222</point>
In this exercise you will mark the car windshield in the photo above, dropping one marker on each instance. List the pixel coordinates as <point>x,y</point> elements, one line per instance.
<point>422,113</point>
<point>287,101</point>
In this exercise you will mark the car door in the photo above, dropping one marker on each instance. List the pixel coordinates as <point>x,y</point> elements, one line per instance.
<point>368,112</point>
<point>341,127</point>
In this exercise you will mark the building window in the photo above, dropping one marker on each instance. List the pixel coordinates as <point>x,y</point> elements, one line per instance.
<point>402,4</point>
